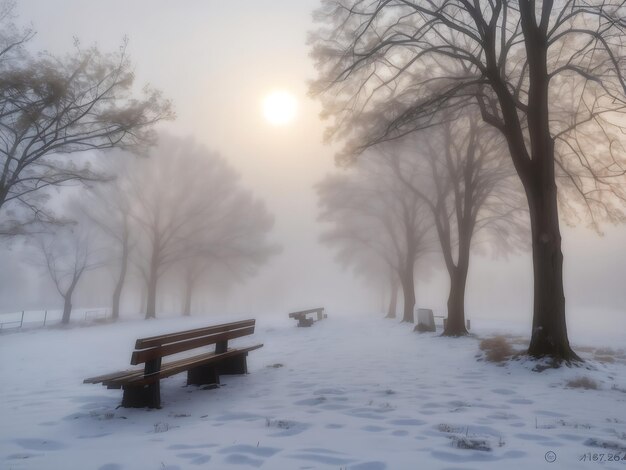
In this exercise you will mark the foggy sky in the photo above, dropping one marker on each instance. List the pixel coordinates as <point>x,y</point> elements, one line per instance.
<point>216,61</point>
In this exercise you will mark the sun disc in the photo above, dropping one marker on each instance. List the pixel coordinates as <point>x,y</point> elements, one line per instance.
<point>279,108</point>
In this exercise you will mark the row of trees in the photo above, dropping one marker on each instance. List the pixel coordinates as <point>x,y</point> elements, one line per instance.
<point>442,190</point>
<point>547,76</point>
<point>179,214</point>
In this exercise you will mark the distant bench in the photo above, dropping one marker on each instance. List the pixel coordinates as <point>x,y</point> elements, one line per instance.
<point>142,386</point>
<point>304,320</point>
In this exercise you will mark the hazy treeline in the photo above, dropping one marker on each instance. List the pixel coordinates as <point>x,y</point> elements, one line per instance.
<point>153,210</point>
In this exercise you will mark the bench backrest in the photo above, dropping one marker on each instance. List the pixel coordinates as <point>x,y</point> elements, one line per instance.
<point>304,312</point>
<point>156,347</point>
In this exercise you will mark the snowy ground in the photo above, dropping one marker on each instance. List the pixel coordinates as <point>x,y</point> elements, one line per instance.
<point>358,393</point>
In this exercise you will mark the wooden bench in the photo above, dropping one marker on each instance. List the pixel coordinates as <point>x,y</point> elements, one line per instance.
<point>142,386</point>
<point>302,318</point>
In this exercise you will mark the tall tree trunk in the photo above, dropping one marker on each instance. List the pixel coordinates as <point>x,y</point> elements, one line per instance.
<point>4,191</point>
<point>67,298</point>
<point>117,293</point>
<point>67,308</point>
<point>151,300</point>
<point>549,332</point>
<point>393,301</point>
<point>153,279</point>
<point>408,290</point>
<point>455,325</point>
<point>188,295</point>
<point>143,301</point>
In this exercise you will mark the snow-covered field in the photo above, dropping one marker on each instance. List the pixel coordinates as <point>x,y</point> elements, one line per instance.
<point>351,392</point>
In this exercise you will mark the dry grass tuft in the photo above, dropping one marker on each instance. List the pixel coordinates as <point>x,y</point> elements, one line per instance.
<point>605,359</point>
<point>497,349</point>
<point>582,382</point>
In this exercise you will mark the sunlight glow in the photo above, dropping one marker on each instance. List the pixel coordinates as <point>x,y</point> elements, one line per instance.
<point>279,107</point>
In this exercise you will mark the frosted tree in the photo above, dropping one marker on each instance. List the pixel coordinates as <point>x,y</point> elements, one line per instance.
<point>53,109</point>
<point>189,208</point>
<point>374,219</point>
<point>459,172</point>
<point>67,253</point>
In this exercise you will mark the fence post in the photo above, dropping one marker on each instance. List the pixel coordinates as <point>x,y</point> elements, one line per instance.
<point>22,320</point>
<point>45,315</point>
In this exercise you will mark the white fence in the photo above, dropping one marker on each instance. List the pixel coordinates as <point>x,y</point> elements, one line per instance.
<point>42,318</point>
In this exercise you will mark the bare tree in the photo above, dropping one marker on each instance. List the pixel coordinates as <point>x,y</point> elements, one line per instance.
<point>106,206</point>
<point>187,203</point>
<point>12,38</point>
<point>231,240</point>
<point>51,107</point>
<point>374,216</point>
<point>407,61</point>
<point>67,254</point>
<point>470,191</point>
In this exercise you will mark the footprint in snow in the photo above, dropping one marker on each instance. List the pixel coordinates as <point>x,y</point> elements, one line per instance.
<point>475,456</point>
<point>373,428</point>
<point>503,391</point>
<point>366,414</point>
<point>502,415</point>
<point>93,436</point>
<point>539,439</point>
<point>195,458</point>
<point>238,417</point>
<point>239,454</point>
<point>188,446</point>
<point>570,437</point>
<point>335,406</point>
<point>550,413</point>
<point>240,459</point>
<point>369,466</point>
<point>407,422</point>
<point>530,437</point>
<point>329,391</point>
<point>22,456</point>
<point>335,426</point>
<point>110,466</point>
<point>311,401</point>
<point>39,444</point>
<point>520,401</point>
<point>324,456</point>
<point>287,428</point>
<point>247,449</point>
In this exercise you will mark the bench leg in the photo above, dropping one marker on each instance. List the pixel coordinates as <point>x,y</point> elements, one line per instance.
<point>305,322</point>
<point>143,396</point>
<point>234,365</point>
<point>203,375</point>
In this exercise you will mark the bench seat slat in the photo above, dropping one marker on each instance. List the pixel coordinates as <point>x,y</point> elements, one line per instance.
<point>137,376</point>
<point>112,375</point>
<point>304,312</point>
<point>191,362</point>
<point>161,340</point>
